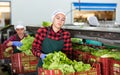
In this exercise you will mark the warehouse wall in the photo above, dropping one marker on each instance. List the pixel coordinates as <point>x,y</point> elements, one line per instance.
<point>118,11</point>
<point>33,12</point>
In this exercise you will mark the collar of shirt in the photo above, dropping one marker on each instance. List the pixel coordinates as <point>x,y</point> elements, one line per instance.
<point>55,36</point>
<point>61,30</point>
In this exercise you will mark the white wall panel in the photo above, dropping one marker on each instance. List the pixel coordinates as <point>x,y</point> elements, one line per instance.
<point>33,12</point>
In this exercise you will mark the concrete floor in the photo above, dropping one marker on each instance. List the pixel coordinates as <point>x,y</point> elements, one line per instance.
<point>3,73</point>
<point>7,68</point>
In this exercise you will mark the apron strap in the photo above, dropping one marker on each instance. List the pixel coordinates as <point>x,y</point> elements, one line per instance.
<point>17,38</point>
<point>15,50</point>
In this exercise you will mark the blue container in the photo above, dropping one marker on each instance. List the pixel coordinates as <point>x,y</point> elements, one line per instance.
<point>93,42</point>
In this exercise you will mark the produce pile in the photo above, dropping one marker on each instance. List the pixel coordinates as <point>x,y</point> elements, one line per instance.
<point>113,53</point>
<point>76,40</point>
<point>58,60</point>
<point>27,45</point>
<point>83,48</point>
<point>46,24</point>
<point>107,53</point>
<point>8,51</point>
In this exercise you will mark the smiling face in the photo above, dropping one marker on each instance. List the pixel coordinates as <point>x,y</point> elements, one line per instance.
<point>20,31</point>
<point>58,21</point>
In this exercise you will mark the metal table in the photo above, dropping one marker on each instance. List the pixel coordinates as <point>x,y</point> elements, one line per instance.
<point>106,35</point>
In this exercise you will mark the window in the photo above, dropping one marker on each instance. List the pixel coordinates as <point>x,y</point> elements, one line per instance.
<point>103,11</point>
<point>5,13</point>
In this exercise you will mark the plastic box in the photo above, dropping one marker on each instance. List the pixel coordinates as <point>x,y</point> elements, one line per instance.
<point>48,72</point>
<point>22,63</point>
<point>93,42</point>
<point>95,70</point>
<point>105,63</point>
<point>3,54</point>
<point>115,67</point>
<point>79,55</point>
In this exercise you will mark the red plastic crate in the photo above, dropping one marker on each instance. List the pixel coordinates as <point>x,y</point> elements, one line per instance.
<point>70,73</point>
<point>95,70</point>
<point>2,52</point>
<point>92,59</point>
<point>91,72</point>
<point>79,55</point>
<point>22,63</point>
<point>97,66</point>
<point>105,65</point>
<point>48,72</point>
<point>115,67</point>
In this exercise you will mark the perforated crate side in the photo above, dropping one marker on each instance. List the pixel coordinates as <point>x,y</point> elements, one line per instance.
<point>105,65</point>
<point>24,64</point>
<point>80,55</point>
<point>115,67</point>
<point>48,72</point>
<point>1,51</point>
<point>16,63</point>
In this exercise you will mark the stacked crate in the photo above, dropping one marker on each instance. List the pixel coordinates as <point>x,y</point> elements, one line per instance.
<point>79,55</point>
<point>3,53</point>
<point>109,66</point>
<point>87,57</point>
<point>105,66</point>
<point>115,67</point>
<point>48,72</point>
<point>105,63</point>
<point>95,70</point>
<point>22,63</point>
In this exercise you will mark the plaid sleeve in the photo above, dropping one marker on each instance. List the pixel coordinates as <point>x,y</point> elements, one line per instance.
<point>12,38</point>
<point>67,49</point>
<point>39,37</point>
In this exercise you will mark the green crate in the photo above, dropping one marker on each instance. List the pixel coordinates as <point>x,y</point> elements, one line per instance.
<point>93,42</point>
<point>111,47</point>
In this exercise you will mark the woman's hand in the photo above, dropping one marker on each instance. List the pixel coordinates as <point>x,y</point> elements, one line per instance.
<point>42,56</point>
<point>17,43</point>
<point>9,43</point>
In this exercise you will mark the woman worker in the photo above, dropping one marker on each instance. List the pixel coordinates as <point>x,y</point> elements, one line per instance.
<point>53,38</point>
<point>14,40</point>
